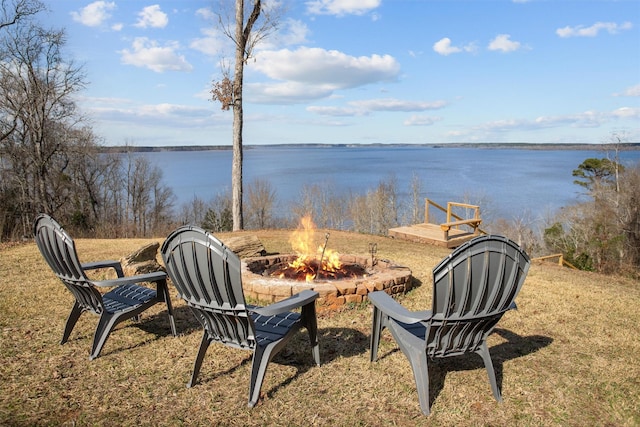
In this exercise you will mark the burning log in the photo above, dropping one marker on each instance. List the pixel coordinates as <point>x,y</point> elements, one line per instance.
<point>313,269</point>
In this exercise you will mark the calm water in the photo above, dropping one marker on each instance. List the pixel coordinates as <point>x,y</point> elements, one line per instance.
<point>511,181</point>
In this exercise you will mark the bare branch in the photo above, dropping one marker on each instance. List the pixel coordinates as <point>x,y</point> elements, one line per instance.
<point>13,11</point>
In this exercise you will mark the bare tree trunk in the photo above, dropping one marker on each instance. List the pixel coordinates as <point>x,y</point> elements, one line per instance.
<point>236,166</point>
<point>242,38</point>
<point>230,93</point>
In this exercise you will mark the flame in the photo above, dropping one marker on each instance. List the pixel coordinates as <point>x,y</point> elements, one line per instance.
<point>308,262</point>
<point>302,238</point>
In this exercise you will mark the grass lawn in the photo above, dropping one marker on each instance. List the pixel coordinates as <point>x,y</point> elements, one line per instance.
<point>567,357</point>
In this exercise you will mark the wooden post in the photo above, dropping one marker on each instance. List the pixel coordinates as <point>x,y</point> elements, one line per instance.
<point>426,211</point>
<point>476,226</point>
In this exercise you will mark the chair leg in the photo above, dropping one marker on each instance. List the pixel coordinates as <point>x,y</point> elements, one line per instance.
<point>204,345</point>
<point>261,358</point>
<point>486,357</point>
<point>376,330</point>
<point>310,321</point>
<point>420,367</point>
<point>163,292</point>
<point>417,356</point>
<point>76,311</point>
<point>105,325</point>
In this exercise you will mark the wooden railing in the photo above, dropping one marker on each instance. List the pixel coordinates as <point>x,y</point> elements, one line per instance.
<point>453,220</point>
<point>561,260</point>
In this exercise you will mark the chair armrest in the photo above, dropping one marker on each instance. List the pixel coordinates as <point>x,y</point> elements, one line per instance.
<point>295,301</point>
<point>154,277</point>
<point>104,264</point>
<point>390,307</point>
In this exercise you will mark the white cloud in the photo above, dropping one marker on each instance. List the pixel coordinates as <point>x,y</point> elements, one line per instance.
<point>457,133</point>
<point>158,115</point>
<point>587,119</point>
<point>444,47</point>
<point>335,111</point>
<point>152,16</point>
<point>365,107</point>
<point>503,43</point>
<point>291,32</point>
<point>592,31</point>
<point>318,66</point>
<point>295,32</point>
<point>146,53</point>
<point>626,113</point>
<point>94,14</point>
<point>206,13</point>
<point>630,91</point>
<point>391,104</point>
<point>211,44</point>
<point>341,7</point>
<point>307,74</point>
<point>117,27</point>
<point>416,120</point>
<point>130,113</point>
<point>289,92</point>
<point>172,110</point>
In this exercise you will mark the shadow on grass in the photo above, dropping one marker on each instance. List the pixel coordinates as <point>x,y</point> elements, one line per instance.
<point>415,283</point>
<point>155,324</point>
<point>183,316</point>
<point>334,343</point>
<point>514,347</point>
<point>341,342</point>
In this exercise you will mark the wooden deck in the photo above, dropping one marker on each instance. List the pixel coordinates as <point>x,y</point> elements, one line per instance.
<point>431,234</point>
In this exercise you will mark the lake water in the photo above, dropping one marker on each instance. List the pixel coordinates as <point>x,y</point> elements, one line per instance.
<point>512,181</point>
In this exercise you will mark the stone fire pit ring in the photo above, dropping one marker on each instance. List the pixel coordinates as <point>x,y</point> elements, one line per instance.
<point>384,276</point>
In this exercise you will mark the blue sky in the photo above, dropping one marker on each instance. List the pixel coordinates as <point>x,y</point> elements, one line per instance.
<point>363,71</point>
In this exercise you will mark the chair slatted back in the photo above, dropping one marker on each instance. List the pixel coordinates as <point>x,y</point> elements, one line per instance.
<point>473,287</point>
<point>59,251</point>
<point>208,277</point>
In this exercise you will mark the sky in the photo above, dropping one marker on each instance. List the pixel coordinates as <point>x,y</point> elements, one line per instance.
<point>362,71</point>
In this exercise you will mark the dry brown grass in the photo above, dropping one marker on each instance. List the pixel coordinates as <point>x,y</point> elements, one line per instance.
<point>568,356</point>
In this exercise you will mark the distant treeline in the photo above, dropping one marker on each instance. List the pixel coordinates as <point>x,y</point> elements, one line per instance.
<point>484,145</point>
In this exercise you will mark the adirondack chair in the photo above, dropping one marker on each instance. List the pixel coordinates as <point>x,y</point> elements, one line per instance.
<point>472,289</point>
<point>127,300</point>
<point>207,275</point>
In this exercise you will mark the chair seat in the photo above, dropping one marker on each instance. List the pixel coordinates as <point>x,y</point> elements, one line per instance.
<point>418,330</point>
<point>273,328</point>
<point>127,297</point>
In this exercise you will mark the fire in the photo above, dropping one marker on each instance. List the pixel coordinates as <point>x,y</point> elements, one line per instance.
<point>302,238</point>
<point>310,263</point>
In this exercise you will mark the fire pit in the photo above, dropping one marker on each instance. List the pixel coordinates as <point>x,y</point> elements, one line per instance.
<point>339,279</point>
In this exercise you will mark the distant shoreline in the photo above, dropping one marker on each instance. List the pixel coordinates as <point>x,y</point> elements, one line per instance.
<point>487,145</point>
